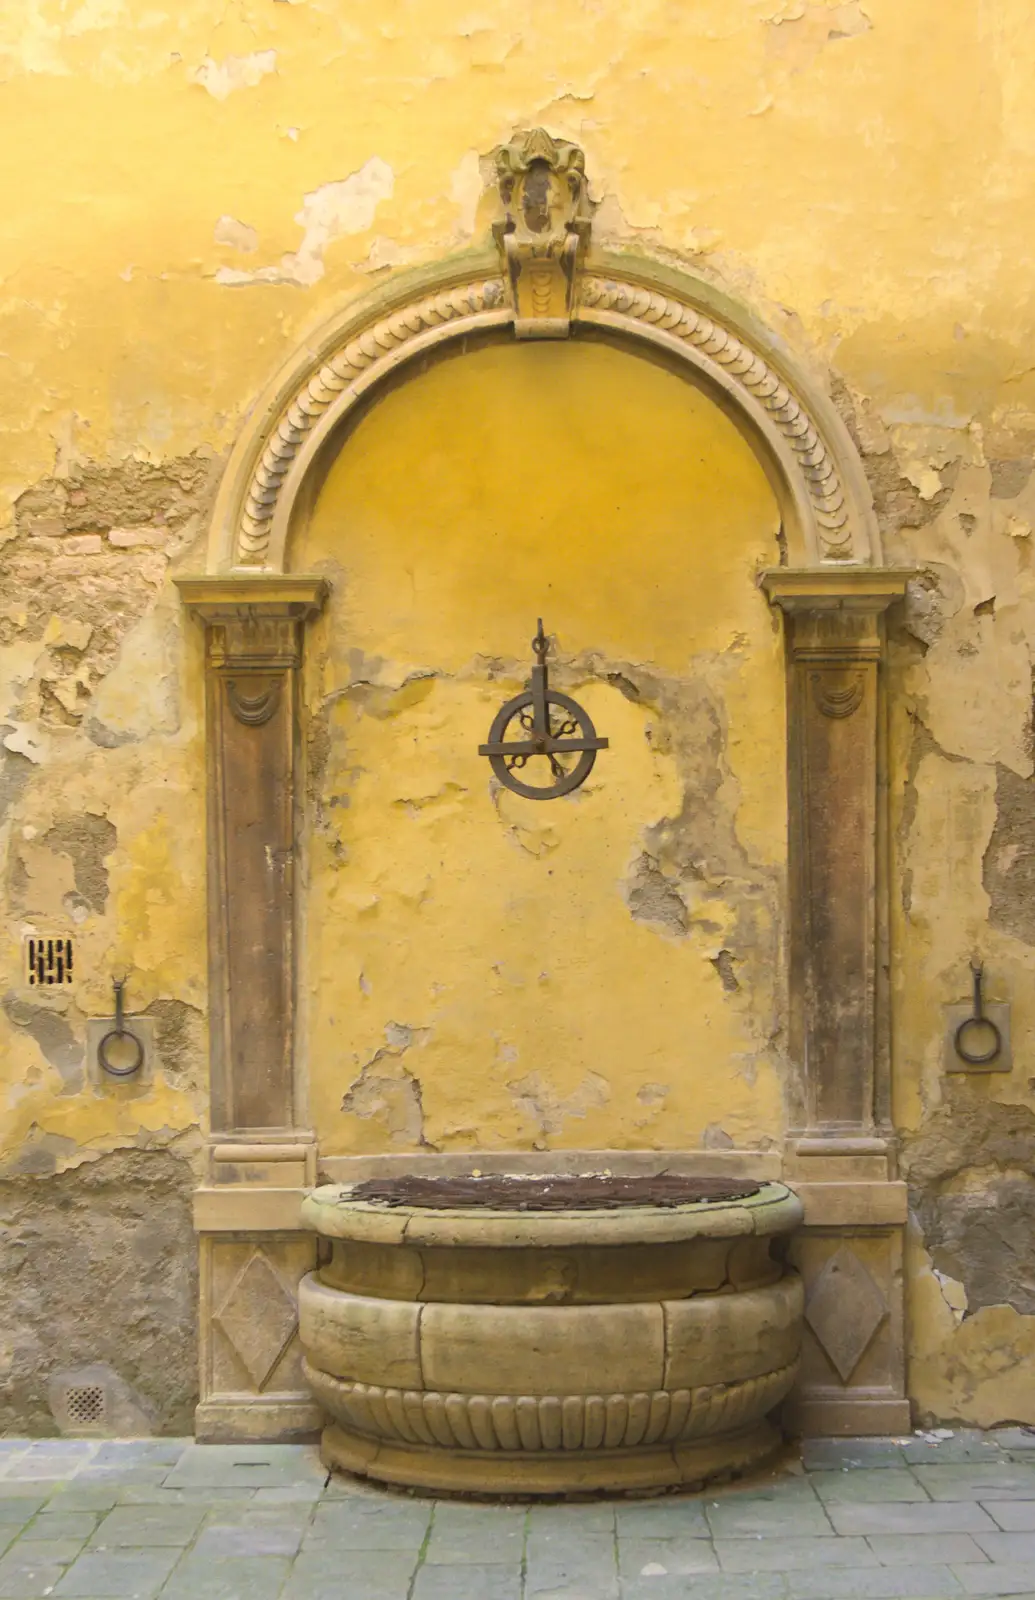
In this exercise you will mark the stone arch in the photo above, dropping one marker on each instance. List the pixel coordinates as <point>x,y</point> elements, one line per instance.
<point>793,429</point>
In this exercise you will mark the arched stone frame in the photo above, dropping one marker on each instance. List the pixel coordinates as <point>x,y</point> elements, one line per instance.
<point>833,592</point>
<point>795,431</point>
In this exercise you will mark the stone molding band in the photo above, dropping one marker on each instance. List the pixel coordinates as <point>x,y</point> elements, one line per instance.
<point>506,1422</point>
<point>810,470</point>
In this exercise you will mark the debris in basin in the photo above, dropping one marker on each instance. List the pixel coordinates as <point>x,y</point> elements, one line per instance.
<point>569,1192</point>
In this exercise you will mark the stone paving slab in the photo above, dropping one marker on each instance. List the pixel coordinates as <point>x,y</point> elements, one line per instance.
<point>940,1516</point>
<point>912,1582</point>
<point>248,1578</point>
<point>792,1555</point>
<point>375,1575</point>
<point>1000,1579</point>
<point>478,1583</point>
<point>149,1525</point>
<point>1013,1516</point>
<point>926,1518</point>
<point>659,1558</point>
<point>899,1549</point>
<point>867,1484</point>
<point>749,1518</point>
<point>993,1482</point>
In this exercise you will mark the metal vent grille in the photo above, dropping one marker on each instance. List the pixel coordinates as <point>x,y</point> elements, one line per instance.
<point>86,1405</point>
<point>48,961</point>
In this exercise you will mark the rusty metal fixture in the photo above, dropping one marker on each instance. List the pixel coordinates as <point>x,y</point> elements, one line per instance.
<point>575,1192</point>
<point>980,1020</point>
<point>555,727</point>
<point>117,1037</point>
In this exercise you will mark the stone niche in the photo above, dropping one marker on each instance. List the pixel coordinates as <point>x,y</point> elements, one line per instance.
<point>686,957</point>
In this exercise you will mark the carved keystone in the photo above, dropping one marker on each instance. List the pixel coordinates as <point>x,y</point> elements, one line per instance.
<point>542,184</point>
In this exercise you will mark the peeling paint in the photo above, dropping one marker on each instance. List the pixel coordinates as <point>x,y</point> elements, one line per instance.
<point>222,78</point>
<point>328,213</point>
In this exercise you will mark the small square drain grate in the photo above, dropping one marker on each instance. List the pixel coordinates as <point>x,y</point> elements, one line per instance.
<point>86,1405</point>
<point>48,961</point>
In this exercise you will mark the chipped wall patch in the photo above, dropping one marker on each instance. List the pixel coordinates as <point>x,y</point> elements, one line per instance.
<point>335,209</point>
<point>221,78</point>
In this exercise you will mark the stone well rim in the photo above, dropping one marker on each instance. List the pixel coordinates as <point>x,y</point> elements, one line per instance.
<point>332,1212</point>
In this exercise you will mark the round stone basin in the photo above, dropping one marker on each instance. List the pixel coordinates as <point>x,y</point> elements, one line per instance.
<point>505,1334</point>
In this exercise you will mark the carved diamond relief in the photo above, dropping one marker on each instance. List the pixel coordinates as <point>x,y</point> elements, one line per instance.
<point>844,1310</point>
<point>259,1318</point>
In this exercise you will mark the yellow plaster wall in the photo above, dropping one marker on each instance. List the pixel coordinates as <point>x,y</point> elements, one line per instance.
<point>188,192</point>
<point>486,970</point>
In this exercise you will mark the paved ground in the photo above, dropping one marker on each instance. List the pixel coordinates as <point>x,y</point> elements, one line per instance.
<point>863,1518</point>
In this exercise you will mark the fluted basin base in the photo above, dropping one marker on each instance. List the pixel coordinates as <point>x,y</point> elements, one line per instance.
<point>616,1471</point>
<point>486,1351</point>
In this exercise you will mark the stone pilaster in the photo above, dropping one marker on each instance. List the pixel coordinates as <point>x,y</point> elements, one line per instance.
<point>261,1154</point>
<point>840,1153</point>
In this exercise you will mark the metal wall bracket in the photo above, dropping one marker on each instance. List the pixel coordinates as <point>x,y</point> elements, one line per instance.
<point>977,1035</point>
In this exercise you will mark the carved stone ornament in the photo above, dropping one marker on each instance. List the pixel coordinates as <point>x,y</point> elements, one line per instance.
<point>837,694</point>
<point>253,700</point>
<point>542,184</point>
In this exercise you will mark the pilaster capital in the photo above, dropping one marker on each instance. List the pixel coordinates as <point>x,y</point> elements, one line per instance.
<point>834,613</point>
<point>253,621</point>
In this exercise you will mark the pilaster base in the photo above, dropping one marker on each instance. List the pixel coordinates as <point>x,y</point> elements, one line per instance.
<point>849,1253</point>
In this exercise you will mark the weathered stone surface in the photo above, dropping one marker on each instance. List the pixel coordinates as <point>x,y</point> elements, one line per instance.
<point>356,1336</point>
<point>99,1267</point>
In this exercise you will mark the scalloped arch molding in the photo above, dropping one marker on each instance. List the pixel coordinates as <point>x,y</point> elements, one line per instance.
<point>794,430</point>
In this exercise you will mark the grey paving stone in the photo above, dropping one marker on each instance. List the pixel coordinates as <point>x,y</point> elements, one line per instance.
<point>133,1574</point>
<point>261,1514</point>
<point>940,1516</point>
<point>1019,1439</point>
<point>246,1466</point>
<point>157,1494</point>
<point>74,1496</point>
<point>61,1525</point>
<point>224,1544</point>
<point>583,1520</point>
<point>118,1475</point>
<point>16,1487</point>
<point>1009,1547</point>
<point>148,1525</point>
<point>290,1494</point>
<point>1013,1516</point>
<point>761,1586</point>
<point>582,1574</point>
<point>867,1485</point>
<point>966,1444</point>
<point>996,1481</point>
<point>792,1555</point>
<point>477,1536</point>
<point>145,1452</point>
<point>52,1552</point>
<point>363,1574</point>
<point>9,1532</point>
<point>368,1525</point>
<point>64,1452</point>
<point>660,1558</point>
<point>836,1453</point>
<point>662,1519</point>
<point>20,1508</point>
<point>27,1581</point>
<point>467,1583</point>
<point>255,1578</point>
<point>993,1579</point>
<point>879,1583</point>
<point>933,1549</point>
<point>748,1518</point>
